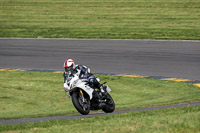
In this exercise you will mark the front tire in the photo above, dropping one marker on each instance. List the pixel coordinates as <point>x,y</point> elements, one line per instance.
<point>83,108</point>
<point>110,105</point>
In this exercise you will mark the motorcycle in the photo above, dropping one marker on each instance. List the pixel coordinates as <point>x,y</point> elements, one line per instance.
<point>86,98</point>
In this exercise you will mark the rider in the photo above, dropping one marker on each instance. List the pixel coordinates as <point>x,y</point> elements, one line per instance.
<point>82,71</point>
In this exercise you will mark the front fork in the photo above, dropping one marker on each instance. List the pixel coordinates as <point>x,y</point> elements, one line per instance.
<point>84,102</point>
<point>81,95</point>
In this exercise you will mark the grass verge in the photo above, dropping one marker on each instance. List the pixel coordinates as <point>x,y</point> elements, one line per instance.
<point>34,94</point>
<point>165,120</point>
<point>122,19</point>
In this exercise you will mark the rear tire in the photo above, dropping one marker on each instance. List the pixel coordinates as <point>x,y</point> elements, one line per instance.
<point>76,100</point>
<point>110,105</point>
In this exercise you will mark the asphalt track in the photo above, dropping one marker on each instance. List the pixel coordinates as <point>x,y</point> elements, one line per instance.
<point>180,59</point>
<point>40,119</point>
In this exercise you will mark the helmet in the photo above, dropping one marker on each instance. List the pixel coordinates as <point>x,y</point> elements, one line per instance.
<point>69,65</point>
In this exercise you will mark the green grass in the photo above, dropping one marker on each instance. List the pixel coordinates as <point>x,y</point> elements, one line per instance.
<point>176,120</point>
<point>121,19</point>
<point>33,94</point>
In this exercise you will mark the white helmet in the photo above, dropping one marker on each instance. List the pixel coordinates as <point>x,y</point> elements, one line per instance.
<point>69,64</point>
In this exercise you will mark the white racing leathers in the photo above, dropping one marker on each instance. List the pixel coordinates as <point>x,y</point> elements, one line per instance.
<point>80,71</point>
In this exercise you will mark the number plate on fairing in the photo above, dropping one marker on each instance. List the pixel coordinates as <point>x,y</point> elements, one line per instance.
<point>108,89</point>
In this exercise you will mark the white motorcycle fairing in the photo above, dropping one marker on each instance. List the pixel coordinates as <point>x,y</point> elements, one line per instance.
<point>85,98</point>
<point>75,82</point>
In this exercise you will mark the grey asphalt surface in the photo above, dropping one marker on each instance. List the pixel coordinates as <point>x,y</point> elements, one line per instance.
<point>40,119</point>
<point>180,59</point>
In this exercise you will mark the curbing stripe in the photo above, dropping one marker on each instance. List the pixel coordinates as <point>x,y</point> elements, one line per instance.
<point>177,79</point>
<point>194,82</point>
<point>157,77</point>
<point>16,70</point>
<point>58,72</point>
<point>198,85</point>
<point>133,76</point>
<point>4,69</point>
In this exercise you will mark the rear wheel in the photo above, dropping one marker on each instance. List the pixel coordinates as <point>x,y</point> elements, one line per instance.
<point>80,103</point>
<point>110,105</point>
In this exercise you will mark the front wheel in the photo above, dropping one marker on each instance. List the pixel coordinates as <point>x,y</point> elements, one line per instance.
<point>110,105</point>
<point>80,103</point>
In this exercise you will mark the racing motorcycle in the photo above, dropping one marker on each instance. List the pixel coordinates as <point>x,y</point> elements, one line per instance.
<point>86,98</point>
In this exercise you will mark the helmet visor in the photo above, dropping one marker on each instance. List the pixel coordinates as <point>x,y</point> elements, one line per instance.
<point>70,68</point>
